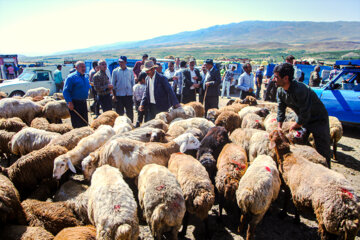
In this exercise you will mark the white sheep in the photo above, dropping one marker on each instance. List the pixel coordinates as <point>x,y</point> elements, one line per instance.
<point>85,146</point>
<point>179,127</point>
<point>30,139</point>
<point>258,188</point>
<point>112,208</point>
<point>161,199</point>
<point>259,145</point>
<point>36,92</point>
<point>25,109</point>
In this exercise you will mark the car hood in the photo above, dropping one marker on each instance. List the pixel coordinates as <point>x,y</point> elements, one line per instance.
<point>12,82</point>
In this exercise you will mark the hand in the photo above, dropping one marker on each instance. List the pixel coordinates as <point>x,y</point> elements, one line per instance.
<point>110,86</point>
<point>141,108</point>
<point>175,78</point>
<point>195,78</point>
<point>207,84</point>
<point>251,90</point>
<point>70,106</point>
<point>195,85</point>
<point>114,98</point>
<point>295,126</point>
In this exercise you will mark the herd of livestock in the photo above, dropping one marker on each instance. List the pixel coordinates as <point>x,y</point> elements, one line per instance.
<point>170,169</point>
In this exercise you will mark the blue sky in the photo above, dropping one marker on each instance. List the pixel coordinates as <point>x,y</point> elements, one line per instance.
<point>36,27</point>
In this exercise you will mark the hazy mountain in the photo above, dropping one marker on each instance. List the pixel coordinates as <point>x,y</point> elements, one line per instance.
<point>249,32</point>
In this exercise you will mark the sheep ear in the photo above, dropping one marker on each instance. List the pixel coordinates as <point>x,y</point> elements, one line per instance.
<point>183,147</point>
<point>71,166</point>
<point>272,145</point>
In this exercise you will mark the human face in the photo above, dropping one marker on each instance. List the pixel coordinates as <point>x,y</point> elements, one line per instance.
<point>102,66</point>
<point>208,66</point>
<point>159,68</point>
<point>192,65</point>
<point>81,68</point>
<point>177,61</point>
<point>281,82</point>
<point>248,69</point>
<point>171,67</point>
<point>122,64</point>
<point>204,68</point>
<point>150,72</point>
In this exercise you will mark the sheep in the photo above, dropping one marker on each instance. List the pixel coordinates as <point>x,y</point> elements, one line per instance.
<point>70,139</point>
<point>10,206</point>
<point>242,136</point>
<point>85,147</point>
<point>30,169</point>
<point>20,232</point>
<point>54,111</point>
<point>250,100</point>
<point>196,186</point>
<point>130,156</point>
<point>53,216</point>
<point>229,120</point>
<point>328,193</point>
<point>210,148</point>
<point>231,166</point>
<point>258,188</point>
<point>77,233</point>
<point>24,109</point>
<point>189,111</point>
<point>112,207</point>
<point>43,124</point>
<point>45,101</point>
<point>3,95</point>
<point>145,134</point>
<point>161,199</point>
<point>5,138</point>
<point>198,107</point>
<point>173,113</point>
<point>259,145</point>
<point>14,124</point>
<point>252,120</point>
<point>41,91</point>
<point>69,190</point>
<point>272,106</point>
<point>212,114</point>
<point>30,139</point>
<point>58,96</point>
<point>106,118</point>
<point>262,112</point>
<point>307,152</point>
<point>270,122</point>
<point>179,127</point>
<point>155,123</point>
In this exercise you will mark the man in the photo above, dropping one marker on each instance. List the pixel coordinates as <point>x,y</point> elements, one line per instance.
<point>271,90</point>
<point>170,72</point>
<point>138,64</point>
<point>246,82</point>
<point>139,90</point>
<point>178,81</point>
<point>158,96</point>
<point>227,79</point>
<point>11,72</point>
<point>211,85</point>
<point>58,79</point>
<point>95,107</point>
<point>76,90</point>
<point>159,68</point>
<point>310,111</point>
<point>103,86</point>
<point>153,59</point>
<point>334,72</point>
<point>315,78</point>
<point>123,82</point>
<point>177,63</point>
<point>258,80</point>
<point>298,74</point>
<point>192,80</point>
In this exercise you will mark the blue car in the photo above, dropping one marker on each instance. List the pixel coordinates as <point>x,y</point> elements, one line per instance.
<point>341,95</point>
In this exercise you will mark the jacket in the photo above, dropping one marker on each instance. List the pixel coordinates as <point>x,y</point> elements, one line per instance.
<point>215,79</point>
<point>187,81</point>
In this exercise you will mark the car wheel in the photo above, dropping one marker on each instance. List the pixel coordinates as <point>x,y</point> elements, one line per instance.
<point>17,93</point>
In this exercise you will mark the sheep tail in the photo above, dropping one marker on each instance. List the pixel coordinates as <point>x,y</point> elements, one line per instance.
<point>247,199</point>
<point>123,232</point>
<point>157,220</point>
<point>203,203</point>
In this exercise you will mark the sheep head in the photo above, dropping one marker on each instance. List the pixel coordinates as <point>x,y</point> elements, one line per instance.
<point>249,100</point>
<point>187,141</point>
<point>61,165</point>
<point>89,165</point>
<point>280,142</point>
<point>157,135</point>
<point>212,114</point>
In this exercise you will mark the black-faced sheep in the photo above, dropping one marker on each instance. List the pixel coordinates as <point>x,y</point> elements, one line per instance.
<point>43,124</point>
<point>24,109</point>
<point>106,118</point>
<point>54,111</point>
<point>20,232</point>
<point>161,199</point>
<point>70,139</point>
<point>14,124</point>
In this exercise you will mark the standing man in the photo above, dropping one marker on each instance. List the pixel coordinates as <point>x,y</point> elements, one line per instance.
<point>139,90</point>
<point>315,78</point>
<point>76,91</point>
<point>170,72</point>
<point>334,72</point>
<point>178,81</point>
<point>103,86</point>
<point>158,96</point>
<point>192,80</point>
<point>138,64</point>
<point>211,85</point>
<point>11,72</point>
<point>297,72</point>
<point>177,63</point>
<point>95,107</point>
<point>123,82</point>
<point>246,82</point>
<point>201,88</point>
<point>310,111</point>
<point>227,78</point>
<point>58,79</point>
<point>258,80</point>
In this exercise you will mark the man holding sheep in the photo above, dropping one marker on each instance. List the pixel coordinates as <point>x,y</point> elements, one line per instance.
<point>310,111</point>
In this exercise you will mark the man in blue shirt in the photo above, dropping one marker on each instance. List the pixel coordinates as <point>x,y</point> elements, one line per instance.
<point>58,78</point>
<point>258,80</point>
<point>76,90</point>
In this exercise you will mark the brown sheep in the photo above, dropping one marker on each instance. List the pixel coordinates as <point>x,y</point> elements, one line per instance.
<point>198,107</point>
<point>43,123</point>
<point>106,118</point>
<point>70,139</point>
<point>53,216</point>
<point>5,139</point>
<point>156,123</point>
<point>14,124</point>
<point>19,232</point>
<point>30,169</point>
<point>250,100</point>
<point>77,233</point>
<point>212,114</point>
<point>229,120</point>
<point>242,136</point>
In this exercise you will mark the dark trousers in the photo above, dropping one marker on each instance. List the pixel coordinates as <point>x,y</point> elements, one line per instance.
<point>95,107</point>
<point>244,94</point>
<point>258,89</point>
<point>178,96</point>
<point>189,97</point>
<point>105,102</point>
<point>81,107</point>
<point>152,111</point>
<point>211,102</point>
<point>141,115</point>
<point>125,103</point>
<point>321,133</point>
<point>201,95</point>
<point>59,87</point>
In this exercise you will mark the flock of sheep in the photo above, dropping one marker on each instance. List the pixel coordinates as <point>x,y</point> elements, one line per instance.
<point>171,168</point>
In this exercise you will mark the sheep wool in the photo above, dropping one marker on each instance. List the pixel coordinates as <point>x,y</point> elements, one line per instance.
<point>106,118</point>
<point>20,232</point>
<point>112,208</point>
<point>179,127</point>
<point>70,139</point>
<point>198,107</point>
<point>77,233</point>
<point>156,123</point>
<point>242,136</point>
<point>69,191</point>
<point>37,92</point>
<point>259,145</point>
<point>14,124</point>
<point>252,120</point>
<point>161,199</point>
<point>24,109</point>
<point>43,124</point>
<point>5,138</point>
<point>229,120</point>
<point>55,111</point>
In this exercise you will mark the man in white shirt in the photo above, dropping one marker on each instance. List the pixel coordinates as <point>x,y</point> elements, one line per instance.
<point>246,82</point>
<point>170,72</point>
<point>178,80</point>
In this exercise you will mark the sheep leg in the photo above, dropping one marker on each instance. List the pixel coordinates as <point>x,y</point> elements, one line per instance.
<point>174,233</point>
<point>206,222</point>
<point>252,226</point>
<point>185,224</point>
<point>334,150</point>
<point>283,212</point>
<point>221,203</point>
<point>297,216</point>
<point>242,223</point>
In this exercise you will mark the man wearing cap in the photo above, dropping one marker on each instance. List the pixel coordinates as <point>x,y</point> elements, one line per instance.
<point>123,82</point>
<point>76,90</point>
<point>258,80</point>
<point>138,64</point>
<point>158,96</point>
<point>211,85</point>
<point>191,82</point>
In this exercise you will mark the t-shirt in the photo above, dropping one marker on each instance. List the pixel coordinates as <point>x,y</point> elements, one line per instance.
<point>259,75</point>
<point>229,75</point>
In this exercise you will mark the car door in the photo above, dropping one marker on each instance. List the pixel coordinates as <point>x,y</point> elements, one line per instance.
<point>42,79</point>
<point>342,97</point>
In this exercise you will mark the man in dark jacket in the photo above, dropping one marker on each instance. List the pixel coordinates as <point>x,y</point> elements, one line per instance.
<point>211,85</point>
<point>158,96</point>
<point>191,82</point>
<point>310,111</point>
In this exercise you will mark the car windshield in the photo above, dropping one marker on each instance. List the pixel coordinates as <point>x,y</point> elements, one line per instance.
<point>27,76</point>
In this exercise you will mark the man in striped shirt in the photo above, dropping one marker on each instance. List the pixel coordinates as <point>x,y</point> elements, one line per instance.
<point>103,86</point>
